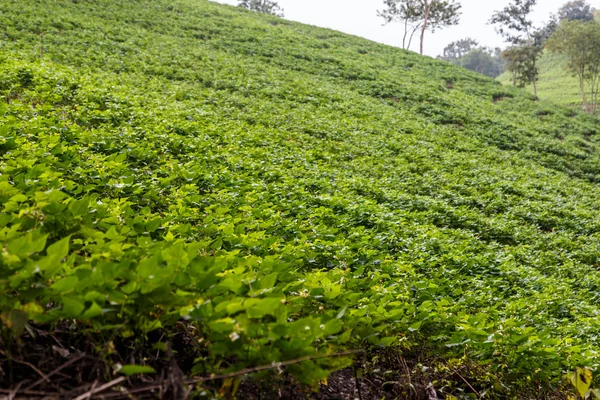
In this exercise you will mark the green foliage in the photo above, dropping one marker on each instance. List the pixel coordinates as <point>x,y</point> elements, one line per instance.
<point>512,21</point>
<point>458,49</point>
<point>407,12</point>
<point>288,191</point>
<point>468,54</point>
<point>483,61</point>
<point>576,10</point>
<point>580,42</point>
<point>554,83</point>
<point>135,369</point>
<point>264,6</point>
<point>521,62</point>
<point>421,15</point>
<point>526,42</point>
<point>581,380</point>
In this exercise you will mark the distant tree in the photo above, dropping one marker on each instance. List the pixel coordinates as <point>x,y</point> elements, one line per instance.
<point>580,41</point>
<point>512,22</point>
<point>468,54</point>
<point>263,6</point>
<point>482,60</point>
<point>421,14</point>
<point>458,49</point>
<point>521,63</point>
<point>517,29</point>
<point>407,12</point>
<point>576,10</point>
<point>543,34</point>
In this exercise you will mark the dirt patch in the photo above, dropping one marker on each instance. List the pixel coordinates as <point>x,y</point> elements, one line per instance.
<point>67,364</point>
<point>501,96</point>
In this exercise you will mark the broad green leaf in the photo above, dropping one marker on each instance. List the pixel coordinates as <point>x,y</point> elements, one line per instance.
<point>154,224</point>
<point>79,207</point>
<point>415,327</point>
<point>93,311</point>
<point>268,282</point>
<point>65,285</point>
<point>27,244</point>
<point>387,341</point>
<point>258,308</point>
<point>136,369</point>
<point>32,309</point>
<point>176,256</point>
<point>581,380</point>
<point>222,325</point>
<point>148,268</point>
<point>72,306</point>
<point>15,320</point>
<point>333,326</point>
<point>345,337</point>
<point>59,249</point>
<point>150,324</point>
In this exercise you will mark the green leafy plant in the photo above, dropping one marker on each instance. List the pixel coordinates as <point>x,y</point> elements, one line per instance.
<point>581,379</point>
<point>264,191</point>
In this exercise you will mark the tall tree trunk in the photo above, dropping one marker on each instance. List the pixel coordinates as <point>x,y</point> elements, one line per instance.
<point>412,34</point>
<point>425,22</point>
<point>582,88</point>
<point>405,33</point>
<point>594,94</point>
<point>534,79</point>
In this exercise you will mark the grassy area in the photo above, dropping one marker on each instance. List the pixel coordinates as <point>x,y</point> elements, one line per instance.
<point>555,83</point>
<point>190,191</point>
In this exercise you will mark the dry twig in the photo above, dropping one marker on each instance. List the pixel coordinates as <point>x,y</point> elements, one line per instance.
<point>243,372</point>
<point>102,388</point>
<point>192,381</point>
<point>30,365</point>
<point>46,377</point>
<point>468,384</point>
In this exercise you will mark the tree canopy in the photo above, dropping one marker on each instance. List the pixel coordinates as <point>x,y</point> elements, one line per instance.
<point>264,6</point>
<point>468,54</point>
<point>580,41</point>
<point>458,49</point>
<point>576,10</point>
<point>484,61</point>
<point>407,12</point>
<point>514,24</point>
<point>421,14</point>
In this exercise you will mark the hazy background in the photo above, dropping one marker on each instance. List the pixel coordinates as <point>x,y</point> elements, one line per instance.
<point>359,17</point>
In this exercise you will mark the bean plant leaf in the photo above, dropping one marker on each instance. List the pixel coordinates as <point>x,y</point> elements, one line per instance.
<point>65,285</point>
<point>267,191</point>
<point>129,370</point>
<point>59,249</point>
<point>581,380</point>
<point>15,320</point>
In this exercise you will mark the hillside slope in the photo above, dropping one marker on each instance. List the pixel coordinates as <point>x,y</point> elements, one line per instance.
<point>555,83</point>
<point>186,183</point>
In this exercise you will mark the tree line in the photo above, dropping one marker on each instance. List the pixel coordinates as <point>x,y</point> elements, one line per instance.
<point>573,32</point>
<point>264,6</point>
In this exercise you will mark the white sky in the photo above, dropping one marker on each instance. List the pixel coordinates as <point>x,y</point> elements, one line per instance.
<point>359,17</point>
